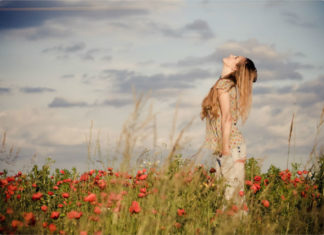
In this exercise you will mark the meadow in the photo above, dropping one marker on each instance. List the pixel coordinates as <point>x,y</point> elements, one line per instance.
<point>173,197</point>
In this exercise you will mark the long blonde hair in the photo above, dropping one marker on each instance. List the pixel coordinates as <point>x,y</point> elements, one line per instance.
<point>243,77</point>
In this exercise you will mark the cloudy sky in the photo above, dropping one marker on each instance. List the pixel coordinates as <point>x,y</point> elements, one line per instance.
<point>67,64</point>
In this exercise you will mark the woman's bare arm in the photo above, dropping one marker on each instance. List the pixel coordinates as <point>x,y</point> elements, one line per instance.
<point>226,120</point>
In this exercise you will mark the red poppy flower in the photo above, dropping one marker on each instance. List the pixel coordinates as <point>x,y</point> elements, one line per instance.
<point>177,225</point>
<point>255,187</point>
<point>297,180</point>
<point>74,214</point>
<point>123,192</point>
<point>65,195</point>
<point>9,211</point>
<point>265,203</point>
<point>257,178</point>
<point>55,214</point>
<point>97,210</point>
<point>141,195</point>
<point>135,207</point>
<point>44,224</point>
<point>245,207</point>
<point>90,198</point>
<point>143,190</point>
<point>91,172</point>
<point>143,177</point>
<point>34,185</point>
<point>248,182</point>
<point>67,180</point>
<point>219,212</point>
<point>114,196</point>
<point>44,208</point>
<point>181,212</point>
<point>2,218</point>
<point>29,218</point>
<point>154,211</point>
<point>241,193</point>
<point>101,184</point>
<point>94,218</point>
<point>16,223</point>
<point>10,178</point>
<point>84,177</point>
<point>37,196</point>
<point>50,193</point>
<point>52,227</point>
<point>235,208</point>
<point>12,187</point>
<point>62,172</point>
<point>3,182</point>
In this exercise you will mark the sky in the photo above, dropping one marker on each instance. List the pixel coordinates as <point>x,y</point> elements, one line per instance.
<point>70,71</point>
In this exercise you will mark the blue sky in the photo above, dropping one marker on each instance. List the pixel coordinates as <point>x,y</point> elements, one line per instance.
<point>65,63</point>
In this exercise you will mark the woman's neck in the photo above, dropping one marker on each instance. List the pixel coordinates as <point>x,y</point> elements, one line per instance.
<point>226,71</point>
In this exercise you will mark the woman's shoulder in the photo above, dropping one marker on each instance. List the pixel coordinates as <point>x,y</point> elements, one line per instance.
<point>224,83</point>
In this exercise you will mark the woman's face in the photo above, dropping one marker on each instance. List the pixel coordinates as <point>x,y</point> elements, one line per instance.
<point>231,61</point>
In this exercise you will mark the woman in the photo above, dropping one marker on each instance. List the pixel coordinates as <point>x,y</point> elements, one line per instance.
<point>229,100</point>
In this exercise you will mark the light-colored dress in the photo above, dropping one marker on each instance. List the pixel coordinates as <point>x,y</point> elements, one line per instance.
<point>213,138</point>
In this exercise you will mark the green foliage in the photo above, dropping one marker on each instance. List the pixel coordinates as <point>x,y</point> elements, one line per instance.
<point>175,164</point>
<point>318,174</point>
<point>252,168</point>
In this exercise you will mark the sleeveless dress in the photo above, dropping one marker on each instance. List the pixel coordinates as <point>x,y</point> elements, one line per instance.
<point>213,138</point>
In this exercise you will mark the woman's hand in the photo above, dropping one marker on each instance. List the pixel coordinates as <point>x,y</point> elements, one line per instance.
<point>242,160</point>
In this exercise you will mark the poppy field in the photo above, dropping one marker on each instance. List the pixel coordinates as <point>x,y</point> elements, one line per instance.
<point>176,196</point>
<point>179,198</point>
